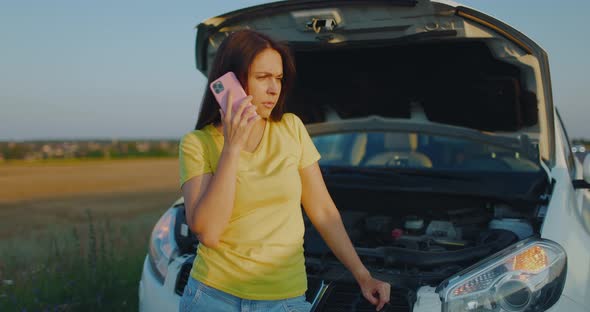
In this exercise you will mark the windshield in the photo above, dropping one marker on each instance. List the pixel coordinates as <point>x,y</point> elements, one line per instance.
<point>415,150</point>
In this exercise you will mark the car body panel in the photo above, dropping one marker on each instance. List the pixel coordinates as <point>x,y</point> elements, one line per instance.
<point>155,296</point>
<point>568,223</point>
<point>566,304</point>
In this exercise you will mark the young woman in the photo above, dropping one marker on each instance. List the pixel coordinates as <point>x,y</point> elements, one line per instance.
<point>244,176</point>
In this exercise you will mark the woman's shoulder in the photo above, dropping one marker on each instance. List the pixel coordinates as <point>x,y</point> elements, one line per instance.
<point>192,136</point>
<point>196,137</point>
<point>292,126</point>
<point>207,131</point>
<point>290,120</point>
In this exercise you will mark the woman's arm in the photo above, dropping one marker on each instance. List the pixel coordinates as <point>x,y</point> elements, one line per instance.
<point>209,199</point>
<point>324,215</point>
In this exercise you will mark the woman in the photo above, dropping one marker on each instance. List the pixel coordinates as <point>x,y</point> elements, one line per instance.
<point>244,176</point>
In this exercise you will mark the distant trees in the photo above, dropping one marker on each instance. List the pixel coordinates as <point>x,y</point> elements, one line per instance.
<point>15,151</point>
<point>88,149</point>
<point>584,142</point>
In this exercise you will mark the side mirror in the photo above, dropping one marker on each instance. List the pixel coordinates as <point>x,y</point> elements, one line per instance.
<point>585,183</point>
<point>586,169</point>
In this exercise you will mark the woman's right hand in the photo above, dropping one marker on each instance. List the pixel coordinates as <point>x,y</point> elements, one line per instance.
<point>238,125</point>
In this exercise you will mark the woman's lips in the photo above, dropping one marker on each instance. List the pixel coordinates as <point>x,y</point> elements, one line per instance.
<point>268,104</point>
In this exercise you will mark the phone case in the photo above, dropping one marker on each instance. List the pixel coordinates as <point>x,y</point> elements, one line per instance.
<point>222,85</point>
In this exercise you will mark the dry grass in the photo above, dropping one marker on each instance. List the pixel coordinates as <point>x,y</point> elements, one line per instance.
<point>79,228</point>
<point>34,197</point>
<point>35,181</point>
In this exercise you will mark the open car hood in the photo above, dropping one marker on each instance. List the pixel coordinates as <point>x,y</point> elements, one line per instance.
<point>413,48</point>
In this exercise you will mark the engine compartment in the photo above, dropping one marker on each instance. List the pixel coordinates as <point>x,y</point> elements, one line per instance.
<point>417,244</point>
<point>462,229</point>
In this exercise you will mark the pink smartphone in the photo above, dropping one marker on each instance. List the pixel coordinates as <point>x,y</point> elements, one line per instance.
<point>222,85</point>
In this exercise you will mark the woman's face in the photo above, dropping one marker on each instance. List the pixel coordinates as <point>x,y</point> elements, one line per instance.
<point>264,81</point>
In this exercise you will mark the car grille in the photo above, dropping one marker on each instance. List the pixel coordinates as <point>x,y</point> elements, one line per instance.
<point>348,297</point>
<point>183,276</point>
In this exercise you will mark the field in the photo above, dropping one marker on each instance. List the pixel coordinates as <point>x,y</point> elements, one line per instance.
<point>73,234</point>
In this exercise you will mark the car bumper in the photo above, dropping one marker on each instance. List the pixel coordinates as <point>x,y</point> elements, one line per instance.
<point>155,295</point>
<point>566,304</point>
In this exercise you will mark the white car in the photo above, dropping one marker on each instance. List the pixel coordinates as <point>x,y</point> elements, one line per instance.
<point>442,149</point>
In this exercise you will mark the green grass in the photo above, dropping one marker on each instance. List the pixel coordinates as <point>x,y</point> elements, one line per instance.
<point>92,266</point>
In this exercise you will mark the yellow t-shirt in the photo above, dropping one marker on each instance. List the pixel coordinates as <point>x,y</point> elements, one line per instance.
<point>260,253</point>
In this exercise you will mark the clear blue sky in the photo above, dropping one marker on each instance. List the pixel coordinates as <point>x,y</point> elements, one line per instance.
<point>125,69</point>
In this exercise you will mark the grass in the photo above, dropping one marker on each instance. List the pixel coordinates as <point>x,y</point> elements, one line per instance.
<point>95,266</point>
<point>21,182</point>
<point>73,236</point>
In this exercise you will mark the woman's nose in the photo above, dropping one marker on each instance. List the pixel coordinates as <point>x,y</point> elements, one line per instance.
<point>273,87</point>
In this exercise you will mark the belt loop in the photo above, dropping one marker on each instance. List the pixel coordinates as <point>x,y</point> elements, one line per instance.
<point>245,305</point>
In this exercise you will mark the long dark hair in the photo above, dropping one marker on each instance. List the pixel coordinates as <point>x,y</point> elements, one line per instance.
<point>236,54</point>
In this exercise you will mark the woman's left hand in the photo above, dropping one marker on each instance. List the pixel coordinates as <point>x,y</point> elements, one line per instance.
<point>375,291</point>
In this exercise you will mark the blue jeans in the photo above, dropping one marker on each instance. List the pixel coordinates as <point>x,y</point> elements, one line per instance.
<point>200,297</point>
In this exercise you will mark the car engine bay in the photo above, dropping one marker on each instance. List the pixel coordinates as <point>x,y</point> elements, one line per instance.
<point>415,246</point>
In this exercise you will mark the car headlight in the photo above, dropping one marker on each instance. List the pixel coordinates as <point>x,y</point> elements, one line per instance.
<point>528,276</point>
<point>163,248</point>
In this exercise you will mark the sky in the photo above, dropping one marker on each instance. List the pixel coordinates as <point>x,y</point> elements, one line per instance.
<point>126,69</point>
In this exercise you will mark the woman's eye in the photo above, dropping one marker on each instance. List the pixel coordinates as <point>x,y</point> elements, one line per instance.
<point>269,77</point>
